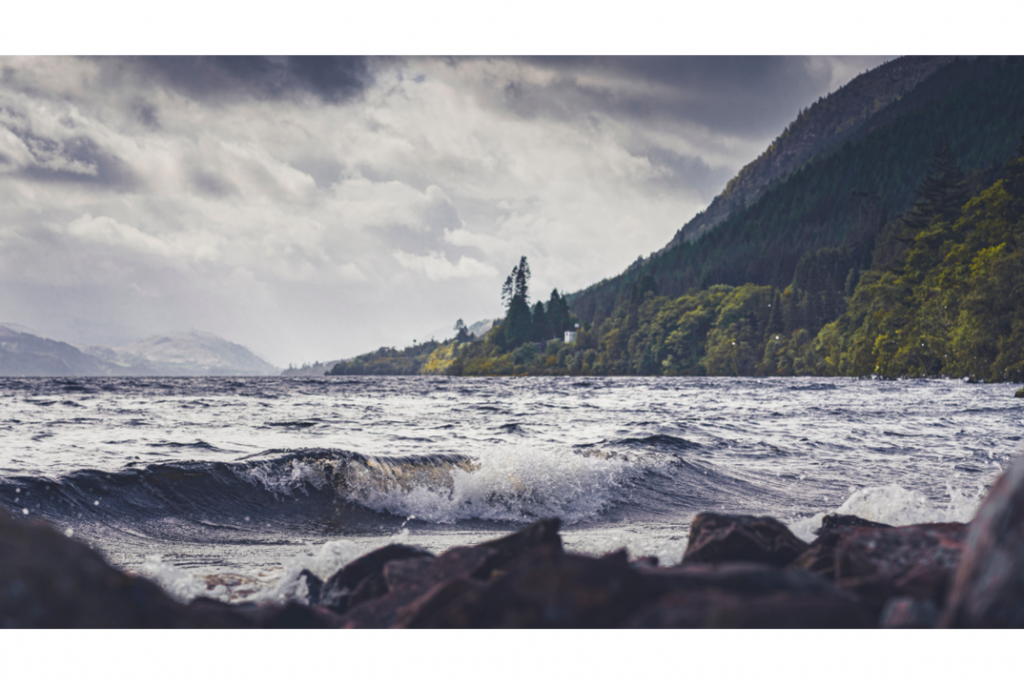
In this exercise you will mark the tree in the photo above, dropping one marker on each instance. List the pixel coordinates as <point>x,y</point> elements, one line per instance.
<point>462,334</point>
<point>558,315</point>
<point>541,326</point>
<point>941,193</point>
<point>517,284</point>
<point>514,294</point>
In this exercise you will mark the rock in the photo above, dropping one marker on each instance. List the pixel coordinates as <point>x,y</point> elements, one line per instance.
<point>338,592</point>
<point>988,588</point>
<point>906,612</point>
<point>838,521</point>
<point>399,572</point>
<point>917,561</point>
<point>717,609</point>
<point>746,595</point>
<point>717,538</point>
<point>543,532</point>
<point>1019,393</point>
<point>553,589</point>
<point>456,563</point>
<point>48,580</point>
<point>448,605</point>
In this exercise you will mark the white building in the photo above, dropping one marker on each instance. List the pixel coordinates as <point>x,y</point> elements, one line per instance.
<point>570,336</point>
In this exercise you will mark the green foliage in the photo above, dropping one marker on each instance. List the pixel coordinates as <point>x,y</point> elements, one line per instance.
<point>845,196</point>
<point>386,361</point>
<point>956,305</point>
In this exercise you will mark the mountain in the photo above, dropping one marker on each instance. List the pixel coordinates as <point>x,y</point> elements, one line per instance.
<point>178,354</point>
<point>191,353</point>
<point>822,126</point>
<point>851,184</point>
<point>24,354</point>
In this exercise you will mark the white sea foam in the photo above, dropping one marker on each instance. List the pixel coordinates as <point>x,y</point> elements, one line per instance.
<point>517,482</point>
<point>898,506</point>
<point>179,584</point>
<point>296,476</point>
<point>323,562</point>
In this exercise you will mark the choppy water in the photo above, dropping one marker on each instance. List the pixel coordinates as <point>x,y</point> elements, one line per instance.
<point>229,487</point>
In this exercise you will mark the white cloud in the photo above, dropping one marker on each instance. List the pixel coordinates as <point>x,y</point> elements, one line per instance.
<point>436,267</point>
<point>259,215</point>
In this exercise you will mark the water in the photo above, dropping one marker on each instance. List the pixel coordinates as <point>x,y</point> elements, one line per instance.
<point>229,487</point>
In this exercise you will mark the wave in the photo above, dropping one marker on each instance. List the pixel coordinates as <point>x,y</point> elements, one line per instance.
<point>505,483</point>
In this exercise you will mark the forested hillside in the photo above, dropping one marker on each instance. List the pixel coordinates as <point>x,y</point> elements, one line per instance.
<point>899,253</point>
<point>844,199</point>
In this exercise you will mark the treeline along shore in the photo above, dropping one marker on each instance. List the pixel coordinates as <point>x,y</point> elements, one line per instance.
<point>738,571</point>
<point>936,292</point>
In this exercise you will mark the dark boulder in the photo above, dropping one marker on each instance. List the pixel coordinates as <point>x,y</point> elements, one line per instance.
<point>456,563</point>
<point>416,591</point>
<point>988,588</point>
<point>718,609</point>
<point>339,594</point>
<point>717,538</point>
<point>841,521</point>
<point>1019,393</point>
<point>905,612</point>
<point>917,561</point>
<point>745,595</point>
<point>542,533</point>
<point>553,589</point>
<point>48,580</point>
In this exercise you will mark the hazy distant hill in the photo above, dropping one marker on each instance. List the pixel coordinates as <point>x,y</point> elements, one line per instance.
<point>191,353</point>
<point>176,354</point>
<point>23,354</point>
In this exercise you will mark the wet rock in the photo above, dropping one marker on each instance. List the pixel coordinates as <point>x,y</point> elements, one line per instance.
<point>416,591</point>
<point>456,563</point>
<point>839,521</point>
<point>988,588</point>
<point>906,612</point>
<point>338,593</point>
<point>399,572</point>
<point>314,586</point>
<point>542,533</point>
<point>559,590</point>
<point>717,609</point>
<point>1019,393</point>
<point>717,538</point>
<point>917,561</point>
<point>746,595</point>
<point>448,605</point>
<point>48,580</point>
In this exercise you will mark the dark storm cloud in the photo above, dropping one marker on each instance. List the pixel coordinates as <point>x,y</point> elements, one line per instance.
<point>77,159</point>
<point>331,79</point>
<point>741,95</point>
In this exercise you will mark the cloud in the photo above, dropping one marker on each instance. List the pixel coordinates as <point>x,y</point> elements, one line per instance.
<point>436,267</point>
<point>317,208</point>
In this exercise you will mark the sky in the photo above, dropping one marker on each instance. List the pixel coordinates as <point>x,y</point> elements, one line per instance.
<point>313,208</point>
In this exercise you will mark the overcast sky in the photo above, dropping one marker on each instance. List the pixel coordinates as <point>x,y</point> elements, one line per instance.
<point>316,208</point>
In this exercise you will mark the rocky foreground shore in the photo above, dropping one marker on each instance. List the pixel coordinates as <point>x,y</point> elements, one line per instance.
<point>738,572</point>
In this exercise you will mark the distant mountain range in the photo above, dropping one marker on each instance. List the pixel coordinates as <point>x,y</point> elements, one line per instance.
<point>190,353</point>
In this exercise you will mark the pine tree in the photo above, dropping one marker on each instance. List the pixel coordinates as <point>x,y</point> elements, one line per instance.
<point>541,326</point>
<point>941,193</point>
<point>514,294</point>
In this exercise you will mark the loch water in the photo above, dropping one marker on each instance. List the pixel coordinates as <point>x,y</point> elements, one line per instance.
<point>229,487</point>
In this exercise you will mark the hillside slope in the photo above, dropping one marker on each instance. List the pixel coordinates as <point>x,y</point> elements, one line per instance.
<point>825,124</point>
<point>845,196</point>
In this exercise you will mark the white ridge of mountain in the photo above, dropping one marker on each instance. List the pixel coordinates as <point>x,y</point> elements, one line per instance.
<point>190,353</point>
<point>25,354</point>
<point>185,353</point>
